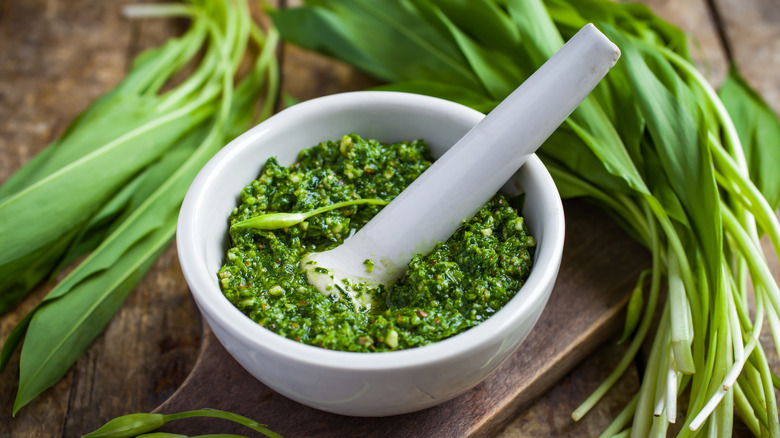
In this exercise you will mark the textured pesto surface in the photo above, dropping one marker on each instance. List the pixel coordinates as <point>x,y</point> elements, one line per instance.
<point>459,284</point>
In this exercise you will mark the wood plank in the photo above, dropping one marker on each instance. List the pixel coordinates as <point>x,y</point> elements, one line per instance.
<point>752,34</point>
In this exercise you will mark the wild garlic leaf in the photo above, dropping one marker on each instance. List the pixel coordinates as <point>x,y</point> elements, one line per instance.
<point>79,307</point>
<point>540,38</point>
<point>567,148</point>
<point>64,324</point>
<point>495,70</point>
<point>111,164</point>
<point>377,37</point>
<point>131,196</point>
<point>454,93</point>
<point>759,132</point>
<point>58,335</point>
<point>634,307</point>
<point>673,122</point>
<point>474,16</point>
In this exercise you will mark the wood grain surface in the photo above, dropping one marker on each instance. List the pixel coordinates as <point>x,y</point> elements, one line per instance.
<point>57,56</point>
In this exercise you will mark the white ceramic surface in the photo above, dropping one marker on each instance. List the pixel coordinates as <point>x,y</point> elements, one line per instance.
<point>360,384</point>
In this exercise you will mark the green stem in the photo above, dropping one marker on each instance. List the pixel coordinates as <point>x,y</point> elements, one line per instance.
<point>759,270</point>
<point>641,333</point>
<point>769,393</point>
<point>621,205</point>
<point>215,413</point>
<point>158,10</point>
<point>755,401</point>
<point>643,417</point>
<point>681,323</point>
<point>275,221</point>
<point>676,245</point>
<point>746,412</point>
<point>740,353</point>
<point>749,195</point>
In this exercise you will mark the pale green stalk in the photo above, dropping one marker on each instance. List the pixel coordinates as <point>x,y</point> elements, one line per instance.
<point>774,327</point>
<point>746,411</point>
<point>753,397</point>
<point>747,193</point>
<point>754,256</point>
<point>769,394</point>
<point>642,424</point>
<point>740,354</point>
<point>621,205</point>
<point>275,221</point>
<point>660,416</point>
<point>230,416</point>
<point>641,333</point>
<point>681,323</point>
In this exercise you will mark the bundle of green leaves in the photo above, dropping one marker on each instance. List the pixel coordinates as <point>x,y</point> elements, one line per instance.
<point>685,171</point>
<point>111,187</point>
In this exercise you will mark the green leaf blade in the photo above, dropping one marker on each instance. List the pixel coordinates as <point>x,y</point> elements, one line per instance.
<point>61,330</point>
<point>758,128</point>
<point>23,229</point>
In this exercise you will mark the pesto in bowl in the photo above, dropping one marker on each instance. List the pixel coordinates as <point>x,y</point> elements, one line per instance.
<point>457,286</point>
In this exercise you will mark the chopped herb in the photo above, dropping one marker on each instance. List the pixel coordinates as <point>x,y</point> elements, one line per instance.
<point>443,283</point>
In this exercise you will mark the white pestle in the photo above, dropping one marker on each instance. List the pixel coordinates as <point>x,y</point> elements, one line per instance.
<point>467,175</point>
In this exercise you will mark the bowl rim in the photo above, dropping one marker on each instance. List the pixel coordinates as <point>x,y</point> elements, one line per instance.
<point>218,310</point>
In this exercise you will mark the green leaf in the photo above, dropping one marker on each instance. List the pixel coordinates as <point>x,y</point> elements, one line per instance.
<point>74,313</point>
<point>759,132</point>
<point>539,35</point>
<point>131,196</point>
<point>58,335</point>
<point>80,306</point>
<point>379,38</point>
<point>673,121</point>
<point>454,93</point>
<point>23,227</point>
<point>634,308</point>
<point>495,70</point>
<point>472,17</point>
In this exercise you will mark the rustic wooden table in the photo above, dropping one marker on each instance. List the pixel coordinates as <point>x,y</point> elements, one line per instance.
<point>57,56</point>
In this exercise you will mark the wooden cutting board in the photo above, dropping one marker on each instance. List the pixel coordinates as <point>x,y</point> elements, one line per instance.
<point>600,266</point>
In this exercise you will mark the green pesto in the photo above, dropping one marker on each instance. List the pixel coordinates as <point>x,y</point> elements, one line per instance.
<point>458,285</point>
